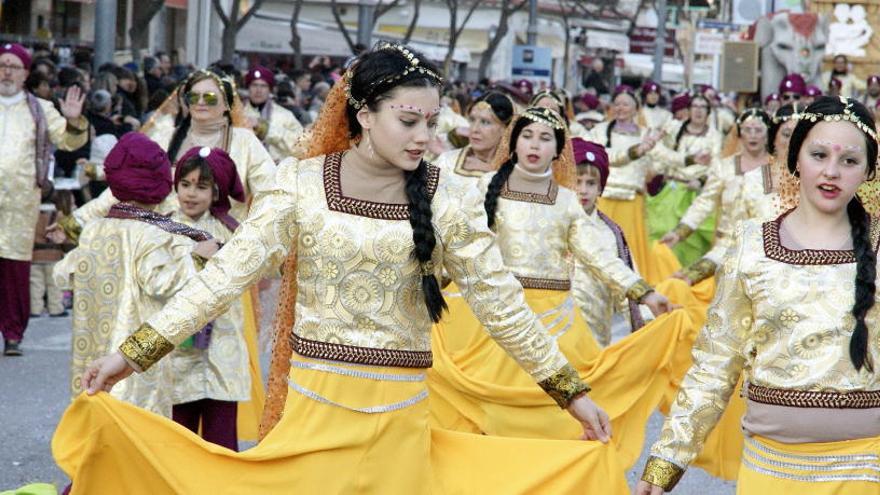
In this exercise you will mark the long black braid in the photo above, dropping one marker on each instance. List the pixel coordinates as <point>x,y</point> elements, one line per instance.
<point>866,258</point>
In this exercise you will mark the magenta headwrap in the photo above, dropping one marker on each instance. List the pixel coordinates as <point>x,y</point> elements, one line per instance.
<point>681,102</point>
<point>813,91</point>
<point>590,101</point>
<point>19,51</point>
<point>225,177</point>
<point>259,73</point>
<point>792,83</point>
<point>525,86</point>
<point>138,169</point>
<point>835,83</point>
<point>772,97</point>
<point>873,79</point>
<point>593,154</point>
<point>650,86</point>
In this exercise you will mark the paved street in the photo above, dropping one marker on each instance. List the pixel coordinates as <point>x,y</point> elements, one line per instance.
<point>34,393</point>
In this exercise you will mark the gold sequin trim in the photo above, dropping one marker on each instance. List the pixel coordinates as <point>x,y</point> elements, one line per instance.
<point>682,231</point>
<point>662,473</point>
<point>337,201</point>
<point>72,229</point>
<point>774,249</point>
<point>360,355</point>
<point>543,283</point>
<point>145,347</point>
<point>699,270</point>
<point>548,198</point>
<point>564,385</point>
<point>805,398</point>
<point>638,290</point>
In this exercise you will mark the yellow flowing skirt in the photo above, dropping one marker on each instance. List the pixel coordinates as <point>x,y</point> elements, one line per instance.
<point>251,412</point>
<point>476,387</point>
<point>850,467</point>
<point>345,429</point>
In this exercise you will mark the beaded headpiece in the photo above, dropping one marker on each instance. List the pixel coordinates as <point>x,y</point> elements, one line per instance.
<point>485,105</point>
<point>544,116</point>
<point>847,115</point>
<point>751,113</point>
<point>414,66</point>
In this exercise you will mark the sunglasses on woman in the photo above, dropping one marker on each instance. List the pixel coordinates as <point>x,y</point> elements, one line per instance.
<point>209,97</point>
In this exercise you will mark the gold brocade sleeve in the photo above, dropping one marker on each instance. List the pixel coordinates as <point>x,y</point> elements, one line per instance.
<point>259,246</point>
<point>474,262</point>
<point>585,244</point>
<point>673,164</point>
<point>705,202</point>
<point>65,135</point>
<point>699,270</point>
<point>284,131</point>
<point>96,208</point>
<point>145,347</point>
<point>261,167</point>
<point>662,473</point>
<point>618,156</point>
<point>564,386</point>
<point>718,363</point>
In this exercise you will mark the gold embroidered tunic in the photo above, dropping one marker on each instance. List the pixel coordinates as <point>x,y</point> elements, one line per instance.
<point>656,117</point>
<point>735,196</point>
<point>359,295</point>
<point>221,371</point>
<point>690,144</point>
<point>19,194</point>
<point>121,273</point>
<point>782,318</point>
<point>628,174</point>
<point>597,301</point>
<point>539,234</point>
<point>283,133</point>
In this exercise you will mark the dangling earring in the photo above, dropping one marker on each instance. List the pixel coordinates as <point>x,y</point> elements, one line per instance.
<point>369,145</point>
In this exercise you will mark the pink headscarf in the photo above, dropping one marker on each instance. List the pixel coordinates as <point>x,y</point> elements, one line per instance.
<point>225,177</point>
<point>138,169</point>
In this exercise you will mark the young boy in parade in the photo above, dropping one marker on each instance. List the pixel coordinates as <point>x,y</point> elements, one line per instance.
<point>127,265</point>
<point>597,301</point>
<point>210,369</point>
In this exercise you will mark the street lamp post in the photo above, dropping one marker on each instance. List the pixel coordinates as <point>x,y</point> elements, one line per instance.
<point>660,41</point>
<point>105,32</point>
<point>532,32</point>
<point>366,12</point>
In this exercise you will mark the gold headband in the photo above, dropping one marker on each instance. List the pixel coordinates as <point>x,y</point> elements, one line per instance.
<point>847,116</point>
<point>554,96</point>
<point>544,116</point>
<point>751,113</point>
<point>414,66</point>
<point>220,80</point>
<point>485,105</point>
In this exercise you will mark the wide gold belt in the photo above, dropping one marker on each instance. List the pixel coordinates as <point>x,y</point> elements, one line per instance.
<point>360,355</point>
<point>805,398</point>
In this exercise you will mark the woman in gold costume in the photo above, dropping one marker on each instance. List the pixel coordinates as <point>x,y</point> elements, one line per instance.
<point>541,226</point>
<point>370,225</point>
<point>487,118</point>
<point>795,316</point>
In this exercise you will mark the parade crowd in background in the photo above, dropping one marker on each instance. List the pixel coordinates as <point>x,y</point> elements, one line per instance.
<point>474,277</point>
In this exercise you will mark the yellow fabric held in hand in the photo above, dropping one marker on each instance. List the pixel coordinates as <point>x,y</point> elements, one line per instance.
<point>251,412</point>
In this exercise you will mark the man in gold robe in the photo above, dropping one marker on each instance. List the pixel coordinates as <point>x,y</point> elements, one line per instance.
<point>29,127</point>
<point>276,126</point>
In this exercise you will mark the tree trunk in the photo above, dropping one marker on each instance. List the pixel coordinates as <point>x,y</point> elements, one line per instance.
<point>455,32</point>
<point>295,39</point>
<point>507,10</point>
<point>341,25</point>
<point>233,23</point>
<point>417,4</point>
<point>566,58</point>
<point>141,16</point>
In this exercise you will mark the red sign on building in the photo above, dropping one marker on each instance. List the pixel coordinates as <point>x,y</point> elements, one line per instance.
<point>643,40</point>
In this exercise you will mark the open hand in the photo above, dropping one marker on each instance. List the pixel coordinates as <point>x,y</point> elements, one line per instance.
<point>596,423</point>
<point>72,104</point>
<point>105,372</point>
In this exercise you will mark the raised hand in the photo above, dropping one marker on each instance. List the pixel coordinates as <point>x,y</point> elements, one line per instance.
<point>72,104</point>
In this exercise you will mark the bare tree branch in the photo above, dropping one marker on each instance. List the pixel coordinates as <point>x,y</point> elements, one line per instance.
<point>417,4</point>
<point>219,9</point>
<point>250,13</point>
<point>141,16</point>
<point>507,10</point>
<point>382,9</point>
<point>232,24</point>
<point>455,29</point>
<point>334,8</point>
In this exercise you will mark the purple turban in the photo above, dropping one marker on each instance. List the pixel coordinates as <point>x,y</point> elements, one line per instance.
<point>259,73</point>
<point>650,86</point>
<point>19,51</point>
<point>772,97</point>
<point>680,102</point>
<point>793,83</point>
<point>592,154</point>
<point>138,169</point>
<point>813,91</point>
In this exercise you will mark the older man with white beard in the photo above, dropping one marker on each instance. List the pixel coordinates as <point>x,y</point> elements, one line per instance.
<point>29,126</point>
